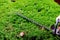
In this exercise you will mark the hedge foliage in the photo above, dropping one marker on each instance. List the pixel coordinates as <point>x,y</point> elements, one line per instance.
<point>42,11</point>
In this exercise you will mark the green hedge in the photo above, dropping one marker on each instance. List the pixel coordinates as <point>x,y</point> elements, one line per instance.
<point>42,11</point>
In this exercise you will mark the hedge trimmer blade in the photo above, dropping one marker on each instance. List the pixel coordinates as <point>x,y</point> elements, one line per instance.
<point>32,21</point>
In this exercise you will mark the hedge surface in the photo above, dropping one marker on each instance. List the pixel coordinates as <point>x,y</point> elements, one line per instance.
<point>42,11</point>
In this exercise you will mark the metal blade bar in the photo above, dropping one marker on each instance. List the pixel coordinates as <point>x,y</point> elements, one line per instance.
<point>32,21</point>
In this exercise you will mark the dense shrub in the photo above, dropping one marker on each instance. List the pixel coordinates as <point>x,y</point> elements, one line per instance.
<point>42,11</point>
